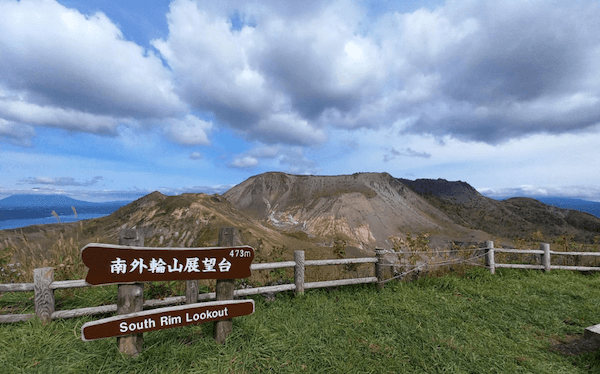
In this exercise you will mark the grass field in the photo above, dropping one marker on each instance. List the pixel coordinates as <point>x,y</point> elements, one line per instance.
<point>477,323</point>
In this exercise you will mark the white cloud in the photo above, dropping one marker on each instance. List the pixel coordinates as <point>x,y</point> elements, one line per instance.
<point>19,134</point>
<point>288,128</point>
<point>195,156</point>
<point>276,157</point>
<point>68,119</point>
<point>522,69</point>
<point>60,181</point>
<point>244,162</point>
<point>459,89</point>
<point>189,131</point>
<point>60,57</point>
<point>591,193</point>
<point>62,69</point>
<point>214,65</point>
<point>285,73</point>
<point>477,70</point>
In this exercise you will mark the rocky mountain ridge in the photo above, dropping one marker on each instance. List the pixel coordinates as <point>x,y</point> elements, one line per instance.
<point>364,209</point>
<point>277,213</point>
<point>517,217</point>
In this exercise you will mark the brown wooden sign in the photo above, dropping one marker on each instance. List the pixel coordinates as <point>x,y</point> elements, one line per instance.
<point>165,318</point>
<point>109,263</point>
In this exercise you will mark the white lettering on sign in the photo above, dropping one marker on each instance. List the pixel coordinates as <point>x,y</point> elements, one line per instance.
<point>157,266</point>
<point>175,267</point>
<point>224,265</point>
<point>205,315</point>
<point>192,264</point>
<point>167,320</point>
<point>118,266</point>
<point>209,264</point>
<point>145,324</point>
<point>170,320</point>
<point>240,253</point>
<point>138,263</point>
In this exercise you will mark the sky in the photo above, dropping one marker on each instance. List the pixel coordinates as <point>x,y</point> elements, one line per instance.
<point>110,100</point>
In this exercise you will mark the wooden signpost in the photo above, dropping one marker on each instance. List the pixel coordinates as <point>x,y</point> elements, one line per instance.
<point>165,318</point>
<point>125,264</point>
<point>129,263</point>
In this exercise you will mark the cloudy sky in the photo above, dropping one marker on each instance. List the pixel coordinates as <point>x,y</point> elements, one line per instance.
<point>110,100</point>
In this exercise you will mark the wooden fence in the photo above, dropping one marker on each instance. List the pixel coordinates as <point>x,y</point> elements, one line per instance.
<point>545,258</point>
<point>44,286</point>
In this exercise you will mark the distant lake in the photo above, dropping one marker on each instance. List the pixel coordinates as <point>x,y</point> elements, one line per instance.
<point>21,217</point>
<point>16,223</point>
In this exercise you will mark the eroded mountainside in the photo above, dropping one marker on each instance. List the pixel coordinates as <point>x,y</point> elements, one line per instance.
<point>365,209</point>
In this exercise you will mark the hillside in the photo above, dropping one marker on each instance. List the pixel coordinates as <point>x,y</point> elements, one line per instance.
<point>187,220</point>
<point>364,209</point>
<point>591,207</point>
<point>512,218</point>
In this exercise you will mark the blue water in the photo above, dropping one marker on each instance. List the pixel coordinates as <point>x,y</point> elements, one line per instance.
<point>16,223</point>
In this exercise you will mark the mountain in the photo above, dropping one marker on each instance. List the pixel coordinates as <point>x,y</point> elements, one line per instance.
<point>364,209</point>
<point>591,207</point>
<point>517,217</point>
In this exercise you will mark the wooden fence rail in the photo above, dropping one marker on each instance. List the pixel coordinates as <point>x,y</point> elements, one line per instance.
<point>41,288</point>
<point>45,284</point>
<point>546,257</point>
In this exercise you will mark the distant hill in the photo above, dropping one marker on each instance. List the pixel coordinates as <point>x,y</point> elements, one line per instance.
<point>591,207</point>
<point>517,217</point>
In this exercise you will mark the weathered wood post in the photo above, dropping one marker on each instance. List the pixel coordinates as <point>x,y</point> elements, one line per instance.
<point>191,291</point>
<point>43,295</point>
<point>379,267</point>
<point>130,297</point>
<point>490,262</point>
<point>228,237</point>
<point>299,272</point>
<point>545,256</point>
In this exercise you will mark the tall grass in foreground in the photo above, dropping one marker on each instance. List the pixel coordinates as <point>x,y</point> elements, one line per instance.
<point>477,323</point>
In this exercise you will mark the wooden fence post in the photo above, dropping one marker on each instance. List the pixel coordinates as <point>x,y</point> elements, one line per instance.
<point>228,236</point>
<point>43,295</point>
<point>545,256</point>
<point>130,297</point>
<point>490,262</point>
<point>191,291</point>
<point>299,272</point>
<point>379,267</point>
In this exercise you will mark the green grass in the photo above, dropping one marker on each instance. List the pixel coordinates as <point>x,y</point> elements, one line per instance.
<point>478,323</point>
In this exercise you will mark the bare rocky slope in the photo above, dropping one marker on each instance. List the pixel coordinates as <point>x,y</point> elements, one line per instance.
<point>364,209</point>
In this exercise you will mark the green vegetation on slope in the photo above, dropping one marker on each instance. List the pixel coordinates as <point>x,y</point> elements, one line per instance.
<point>479,323</point>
